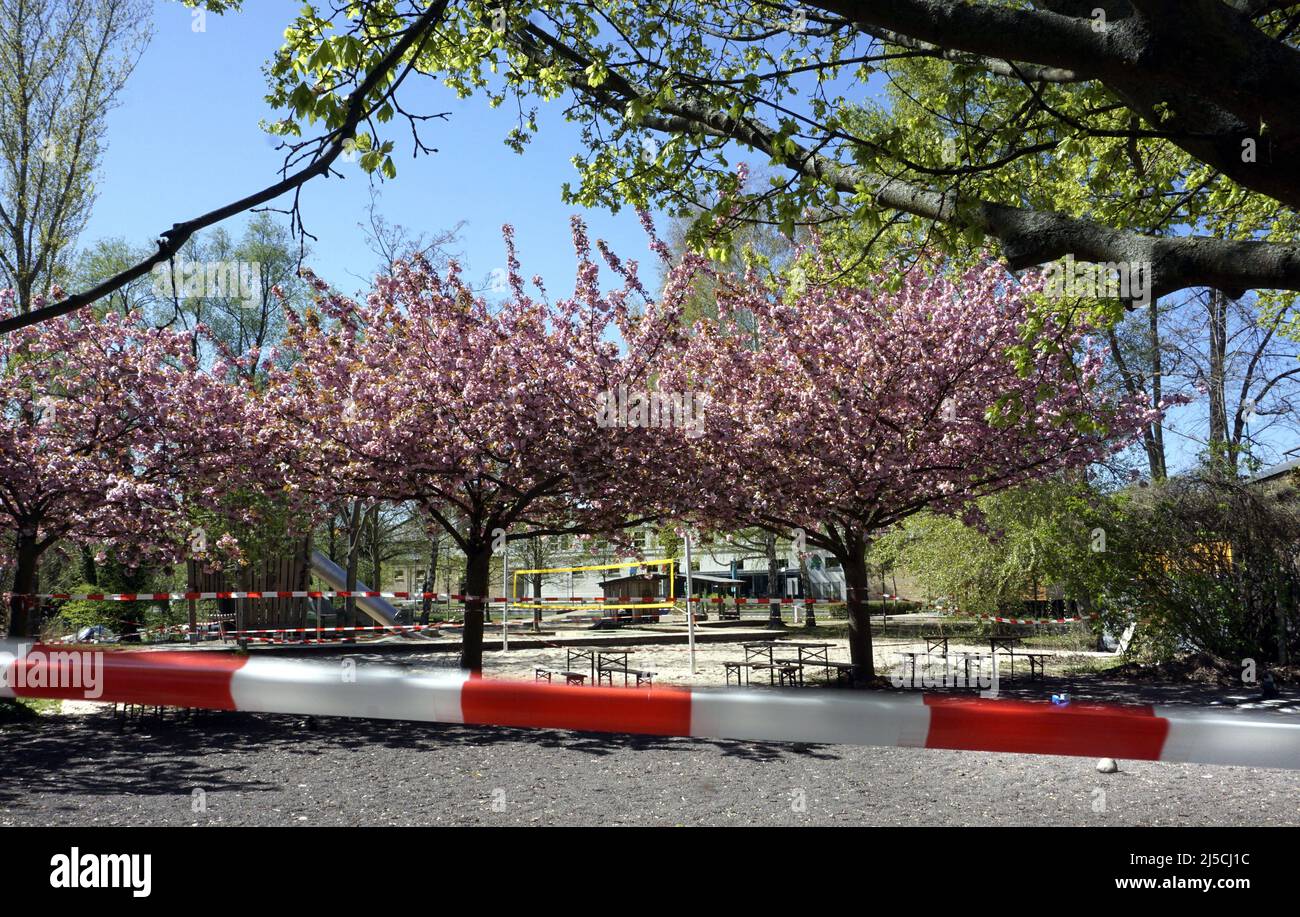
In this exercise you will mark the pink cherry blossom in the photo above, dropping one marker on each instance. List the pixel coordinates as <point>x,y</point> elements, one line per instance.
<point>842,411</point>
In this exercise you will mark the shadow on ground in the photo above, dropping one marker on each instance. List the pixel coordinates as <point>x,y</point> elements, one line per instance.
<point>1098,687</point>
<point>183,746</point>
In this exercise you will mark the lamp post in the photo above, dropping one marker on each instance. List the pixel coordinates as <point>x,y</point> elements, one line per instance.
<point>690,612</point>
<point>505,595</point>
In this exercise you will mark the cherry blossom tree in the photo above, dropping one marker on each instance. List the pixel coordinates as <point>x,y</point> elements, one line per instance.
<point>488,416</point>
<point>835,412</point>
<point>109,431</point>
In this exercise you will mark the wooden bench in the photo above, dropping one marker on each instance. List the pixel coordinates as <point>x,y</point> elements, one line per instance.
<point>575,657</point>
<point>542,673</point>
<point>607,671</point>
<point>787,673</point>
<point>843,670</point>
<point>1037,662</point>
<point>737,669</point>
<point>780,672</point>
<point>796,664</point>
<point>966,657</point>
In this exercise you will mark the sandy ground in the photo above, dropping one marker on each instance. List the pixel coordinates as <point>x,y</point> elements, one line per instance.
<point>671,663</point>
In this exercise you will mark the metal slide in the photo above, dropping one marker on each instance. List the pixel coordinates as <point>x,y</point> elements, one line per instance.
<point>337,577</point>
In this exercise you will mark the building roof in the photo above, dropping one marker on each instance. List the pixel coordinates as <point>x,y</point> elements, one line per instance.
<point>714,578</point>
<point>1275,471</point>
<point>695,577</point>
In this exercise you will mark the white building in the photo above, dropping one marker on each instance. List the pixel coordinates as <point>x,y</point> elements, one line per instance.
<point>720,559</point>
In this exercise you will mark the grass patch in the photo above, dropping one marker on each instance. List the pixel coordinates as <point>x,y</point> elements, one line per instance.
<point>1090,665</point>
<point>27,709</point>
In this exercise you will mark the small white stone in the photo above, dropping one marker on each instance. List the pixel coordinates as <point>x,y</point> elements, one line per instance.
<point>1107,766</point>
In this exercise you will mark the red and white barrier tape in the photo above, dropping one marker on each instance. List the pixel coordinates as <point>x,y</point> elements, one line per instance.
<point>287,594</point>
<point>1073,620</point>
<point>357,628</point>
<point>309,687</point>
<point>521,602</point>
<point>436,596</point>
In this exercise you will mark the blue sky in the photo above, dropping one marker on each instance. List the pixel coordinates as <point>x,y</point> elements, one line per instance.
<point>186,139</point>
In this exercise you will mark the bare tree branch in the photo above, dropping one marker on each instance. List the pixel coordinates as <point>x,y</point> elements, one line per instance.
<point>332,146</point>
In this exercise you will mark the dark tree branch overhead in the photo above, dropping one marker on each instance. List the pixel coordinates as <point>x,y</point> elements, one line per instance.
<point>1190,67</point>
<point>1029,237</point>
<point>331,147</point>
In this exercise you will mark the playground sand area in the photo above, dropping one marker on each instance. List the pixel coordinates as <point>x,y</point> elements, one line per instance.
<point>671,662</point>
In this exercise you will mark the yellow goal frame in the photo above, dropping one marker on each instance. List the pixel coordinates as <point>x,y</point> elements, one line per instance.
<point>670,602</point>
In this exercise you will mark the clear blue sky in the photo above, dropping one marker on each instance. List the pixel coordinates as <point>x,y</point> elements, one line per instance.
<point>186,139</point>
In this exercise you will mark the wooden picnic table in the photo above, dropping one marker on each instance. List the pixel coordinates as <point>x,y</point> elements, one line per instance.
<point>913,655</point>
<point>1005,644</point>
<point>782,671</point>
<point>806,653</point>
<point>966,658</point>
<point>910,656</point>
<point>931,643</point>
<point>609,663</point>
<point>732,667</point>
<point>815,651</point>
<point>803,648</point>
<point>810,654</point>
<point>787,672</point>
<point>843,670</point>
<point>759,656</point>
<point>642,675</point>
<point>1037,663</point>
<point>574,655</point>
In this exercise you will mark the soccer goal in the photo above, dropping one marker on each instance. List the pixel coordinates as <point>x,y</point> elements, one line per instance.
<point>652,588</point>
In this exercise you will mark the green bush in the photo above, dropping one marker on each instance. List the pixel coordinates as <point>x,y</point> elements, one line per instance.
<point>73,615</point>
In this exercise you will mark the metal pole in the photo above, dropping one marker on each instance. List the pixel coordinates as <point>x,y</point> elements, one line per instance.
<point>505,595</point>
<point>690,611</point>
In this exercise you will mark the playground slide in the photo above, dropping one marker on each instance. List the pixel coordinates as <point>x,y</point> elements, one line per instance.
<point>337,577</point>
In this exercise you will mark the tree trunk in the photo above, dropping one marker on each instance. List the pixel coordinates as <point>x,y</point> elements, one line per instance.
<point>774,621</point>
<point>24,620</point>
<point>1284,608</point>
<point>1221,451</point>
<point>856,589</point>
<point>430,581</point>
<point>376,550</point>
<point>478,562</point>
<point>89,574</point>
<point>1156,447</point>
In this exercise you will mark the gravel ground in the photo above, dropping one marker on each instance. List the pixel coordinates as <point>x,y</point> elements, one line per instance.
<point>273,770</point>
